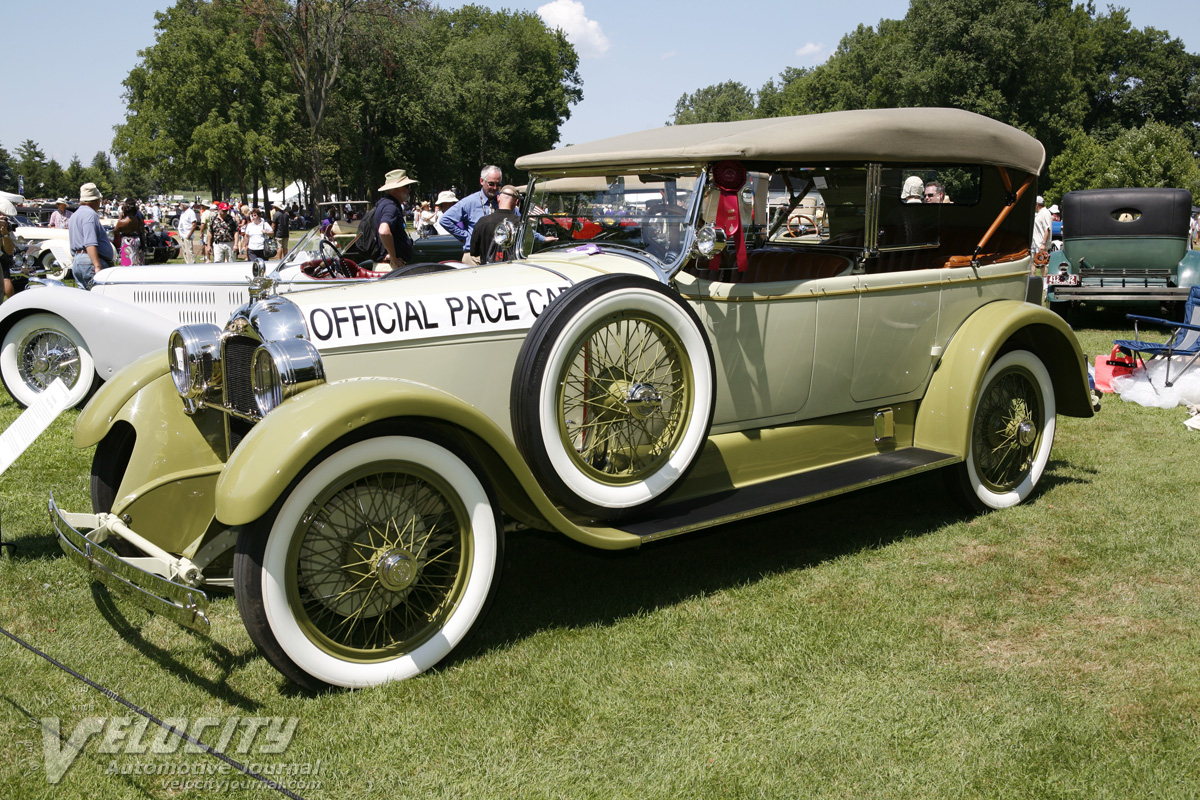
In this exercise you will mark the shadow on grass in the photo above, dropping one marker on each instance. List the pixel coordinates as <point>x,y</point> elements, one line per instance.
<point>551,582</point>
<point>217,654</point>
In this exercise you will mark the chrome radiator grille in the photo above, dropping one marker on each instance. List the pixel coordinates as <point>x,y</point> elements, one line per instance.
<point>239,394</point>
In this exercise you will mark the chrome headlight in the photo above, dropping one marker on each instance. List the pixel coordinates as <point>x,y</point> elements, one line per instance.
<point>282,369</point>
<point>195,354</point>
<point>709,241</point>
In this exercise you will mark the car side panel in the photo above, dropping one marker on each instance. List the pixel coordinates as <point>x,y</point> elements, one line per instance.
<point>115,332</point>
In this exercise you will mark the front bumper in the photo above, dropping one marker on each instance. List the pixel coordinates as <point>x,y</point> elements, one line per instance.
<point>167,594</point>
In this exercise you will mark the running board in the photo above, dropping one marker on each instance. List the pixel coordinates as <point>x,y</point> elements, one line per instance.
<point>672,519</point>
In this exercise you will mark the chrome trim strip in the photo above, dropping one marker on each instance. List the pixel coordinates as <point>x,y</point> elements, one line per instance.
<point>184,605</point>
<point>821,292</point>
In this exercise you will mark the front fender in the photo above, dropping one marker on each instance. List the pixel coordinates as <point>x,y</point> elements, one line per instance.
<point>279,447</point>
<point>944,417</point>
<point>116,333</point>
<point>103,409</point>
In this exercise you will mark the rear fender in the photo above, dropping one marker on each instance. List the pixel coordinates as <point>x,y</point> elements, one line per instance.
<point>1189,269</point>
<point>944,418</point>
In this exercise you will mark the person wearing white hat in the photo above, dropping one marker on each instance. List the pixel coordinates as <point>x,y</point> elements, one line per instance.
<point>444,200</point>
<point>90,248</point>
<point>1041,235</point>
<point>58,219</point>
<point>395,248</point>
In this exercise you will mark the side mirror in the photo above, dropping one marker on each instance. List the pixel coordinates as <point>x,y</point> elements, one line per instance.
<point>709,241</point>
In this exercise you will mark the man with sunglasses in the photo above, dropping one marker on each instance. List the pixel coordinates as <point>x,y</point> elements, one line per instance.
<point>460,219</point>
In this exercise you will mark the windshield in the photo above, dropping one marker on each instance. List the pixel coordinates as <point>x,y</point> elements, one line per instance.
<point>644,212</point>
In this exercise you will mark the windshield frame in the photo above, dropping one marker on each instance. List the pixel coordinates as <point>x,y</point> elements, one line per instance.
<point>665,270</point>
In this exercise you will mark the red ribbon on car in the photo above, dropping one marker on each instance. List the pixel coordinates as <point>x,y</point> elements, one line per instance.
<point>730,177</point>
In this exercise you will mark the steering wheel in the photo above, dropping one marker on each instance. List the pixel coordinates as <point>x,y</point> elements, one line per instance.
<point>661,234</point>
<point>332,262</point>
<point>793,224</point>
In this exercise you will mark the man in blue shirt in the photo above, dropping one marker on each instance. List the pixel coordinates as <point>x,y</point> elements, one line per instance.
<point>460,219</point>
<point>395,248</point>
<point>90,247</point>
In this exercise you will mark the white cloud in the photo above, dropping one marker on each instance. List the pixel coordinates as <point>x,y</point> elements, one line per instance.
<point>669,54</point>
<point>812,49</point>
<point>586,34</point>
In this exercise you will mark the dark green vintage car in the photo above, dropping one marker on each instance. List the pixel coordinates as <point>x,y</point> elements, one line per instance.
<point>1123,246</point>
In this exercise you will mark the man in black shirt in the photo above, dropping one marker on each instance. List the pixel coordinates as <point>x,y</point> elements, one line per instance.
<point>395,248</point>
<point>483,244</point>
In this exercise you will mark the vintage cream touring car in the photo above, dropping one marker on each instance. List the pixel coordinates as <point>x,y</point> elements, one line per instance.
<point>660,360</point>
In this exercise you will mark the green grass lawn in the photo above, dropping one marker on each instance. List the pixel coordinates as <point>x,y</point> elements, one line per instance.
<point>881,644</point>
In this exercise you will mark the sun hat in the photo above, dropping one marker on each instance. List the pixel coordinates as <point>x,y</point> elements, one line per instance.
<point>7,208</point>
<point>913,187</point>
<point>62,201</point>
<point>1054,208</point>
<point>446,196</point>
<point>395,179</point>
<point>88,192</point>
<point>1041,201</point>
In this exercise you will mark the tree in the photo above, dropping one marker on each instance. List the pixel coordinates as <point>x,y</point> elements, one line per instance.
<point>721,102</point>
<point>205,105</point>
<point>309,34</point>
<point>30,161</point>
<point>8,177</point>
<point>1154,155</point>
<point>73,176</point>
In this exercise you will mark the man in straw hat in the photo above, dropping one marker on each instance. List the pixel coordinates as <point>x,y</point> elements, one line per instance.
<point>90,248</point>
<point>395,247</point>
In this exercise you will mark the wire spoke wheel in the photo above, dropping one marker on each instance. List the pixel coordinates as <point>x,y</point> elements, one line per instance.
<point>623,398</point>
<point>40,348</point>
<point>47,354</point>
<point>613,395</point>
<point>1011,434</point>
<point>1007,430</point>
<point>374,566</point>
<point>379,562</point>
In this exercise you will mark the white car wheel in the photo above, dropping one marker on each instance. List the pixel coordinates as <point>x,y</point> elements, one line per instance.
<point>380,561</point>
<point>612,395</point>
<point>40,348</point>
<point>1011,433</point>
<point>57,273</point>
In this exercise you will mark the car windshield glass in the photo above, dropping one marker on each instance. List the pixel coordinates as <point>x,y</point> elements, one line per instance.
<point>647,212</point>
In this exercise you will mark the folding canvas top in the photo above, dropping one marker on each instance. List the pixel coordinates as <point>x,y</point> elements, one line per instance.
<point>926,135</point>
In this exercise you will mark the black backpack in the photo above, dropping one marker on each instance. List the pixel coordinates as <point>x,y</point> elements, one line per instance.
<point>368,234</point>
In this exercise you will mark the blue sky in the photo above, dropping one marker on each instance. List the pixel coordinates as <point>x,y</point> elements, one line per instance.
<point>637,56</point>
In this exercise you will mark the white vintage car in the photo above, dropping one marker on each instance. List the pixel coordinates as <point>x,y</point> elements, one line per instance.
<point>662,359</point>
<point>53,250</point>
<point>85,337</point>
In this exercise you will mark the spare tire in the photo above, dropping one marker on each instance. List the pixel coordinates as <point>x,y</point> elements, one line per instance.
<point>613,394</point>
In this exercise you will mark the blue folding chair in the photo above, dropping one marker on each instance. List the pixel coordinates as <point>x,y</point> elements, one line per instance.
<point>1184,339</point>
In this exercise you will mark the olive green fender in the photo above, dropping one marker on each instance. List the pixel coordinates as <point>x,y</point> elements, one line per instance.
<point>102,410</point>
<point>279,447</point>
<point>944,417</point>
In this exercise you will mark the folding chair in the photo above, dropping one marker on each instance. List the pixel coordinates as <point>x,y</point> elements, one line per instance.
<point>1184,340</point>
